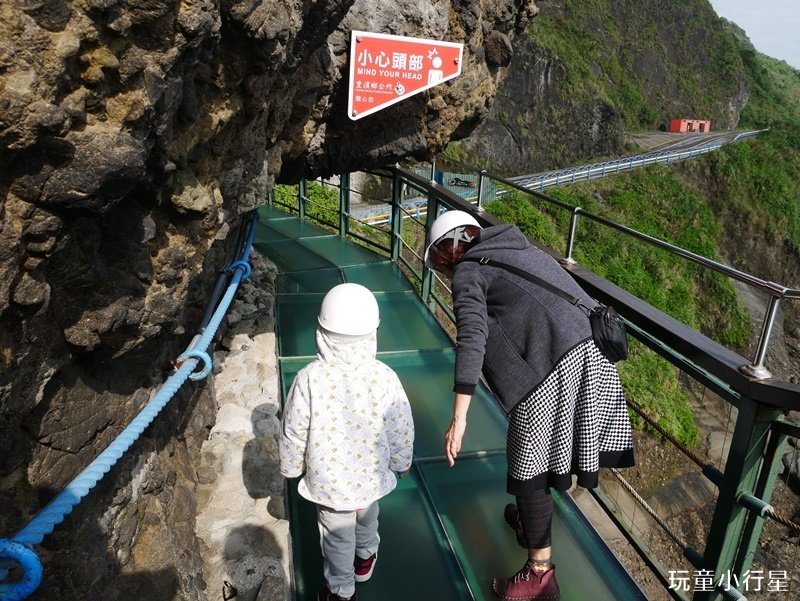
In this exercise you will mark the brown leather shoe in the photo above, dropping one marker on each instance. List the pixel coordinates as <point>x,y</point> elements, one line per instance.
<point>528,585</point>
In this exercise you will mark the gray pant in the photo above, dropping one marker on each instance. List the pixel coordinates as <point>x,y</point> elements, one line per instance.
<point>342,536</point>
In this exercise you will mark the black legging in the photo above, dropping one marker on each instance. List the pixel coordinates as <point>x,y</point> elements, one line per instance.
<point>536,516</point>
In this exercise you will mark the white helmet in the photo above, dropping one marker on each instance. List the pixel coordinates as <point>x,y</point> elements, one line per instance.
<point>447,222</point>
<point>349,309</point>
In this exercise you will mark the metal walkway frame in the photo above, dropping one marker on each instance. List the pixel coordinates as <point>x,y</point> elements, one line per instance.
<point>761,428</point>
<point>443,528</point>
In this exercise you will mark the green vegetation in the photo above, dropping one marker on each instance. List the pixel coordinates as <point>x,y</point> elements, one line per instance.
<point>761,180</point>
<point>653,383</point>
<point>655,203</point>
<point>537,220</point>
<point>322,202</point>
<point>322,207</point>
<point>643,63</point>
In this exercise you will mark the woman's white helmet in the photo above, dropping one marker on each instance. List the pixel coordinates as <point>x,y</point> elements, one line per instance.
<point>349,309</point>
<point>446,223</point>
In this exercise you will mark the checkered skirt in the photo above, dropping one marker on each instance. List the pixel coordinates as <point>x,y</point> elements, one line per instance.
<point>575,422</point>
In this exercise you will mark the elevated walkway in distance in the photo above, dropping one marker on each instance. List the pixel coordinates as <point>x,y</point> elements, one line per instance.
<point>442,529</point>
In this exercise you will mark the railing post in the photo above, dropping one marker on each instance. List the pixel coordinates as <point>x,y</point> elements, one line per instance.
<point>302,186</point>
<point>397,216</point>
<point>573,226</point>
<point>427,276</point>
<point>756,369</point>
<point>763,490</point>
<point>721,555</point>
<point>481,177</point>
<point>344,204</point>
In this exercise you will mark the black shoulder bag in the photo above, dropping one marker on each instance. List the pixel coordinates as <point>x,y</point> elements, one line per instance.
<point>608,329</point>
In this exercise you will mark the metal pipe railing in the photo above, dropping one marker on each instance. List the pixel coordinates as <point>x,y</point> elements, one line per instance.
<point>586,172</point>
<point>756,368</point>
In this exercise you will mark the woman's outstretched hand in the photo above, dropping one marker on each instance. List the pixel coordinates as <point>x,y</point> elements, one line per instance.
<point>454,434</point>
<point>453,437</point>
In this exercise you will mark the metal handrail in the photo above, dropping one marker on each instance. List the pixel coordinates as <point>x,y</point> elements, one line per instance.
<point>777,292</point>
<point>575,174</point>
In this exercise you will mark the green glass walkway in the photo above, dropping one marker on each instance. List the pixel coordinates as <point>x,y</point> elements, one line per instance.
<point>442,529</point>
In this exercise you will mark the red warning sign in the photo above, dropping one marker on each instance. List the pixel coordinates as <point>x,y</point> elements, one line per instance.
<point>385,69</point>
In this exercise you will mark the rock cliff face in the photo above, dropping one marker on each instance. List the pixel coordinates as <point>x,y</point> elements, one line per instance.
<point>564,96</point>
<point>133,135</point>
<point>536,124</point>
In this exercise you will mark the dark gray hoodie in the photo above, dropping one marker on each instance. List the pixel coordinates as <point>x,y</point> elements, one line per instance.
<point>513,329</point>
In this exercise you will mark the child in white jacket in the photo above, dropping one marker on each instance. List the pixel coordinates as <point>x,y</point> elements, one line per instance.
<point>347,428</point>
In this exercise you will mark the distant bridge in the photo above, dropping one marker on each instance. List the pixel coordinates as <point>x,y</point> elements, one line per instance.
<point>473,188</point>
<point>686,148</point>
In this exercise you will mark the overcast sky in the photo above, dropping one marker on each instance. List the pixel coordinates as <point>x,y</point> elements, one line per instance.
<point>773,26</point>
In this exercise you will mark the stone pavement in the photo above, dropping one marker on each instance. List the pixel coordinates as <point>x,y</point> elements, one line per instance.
<point>241,515</point>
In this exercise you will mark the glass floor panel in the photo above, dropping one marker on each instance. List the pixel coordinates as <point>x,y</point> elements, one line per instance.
<point>266,235</point>
<point>407,522</point>
<point>312,253</point>
<point>292,227</point>
<point>340,252</point>
<point>317,281</point>
<point>291,255</point>
<point>385,277</point>
<point>405,324</point>
<point>486,546</point>
<point>427,378</point>
<point>267,212</point>
<point>289,368</point>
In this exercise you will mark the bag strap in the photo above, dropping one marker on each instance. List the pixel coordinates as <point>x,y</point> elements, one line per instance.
<point>530,277</point>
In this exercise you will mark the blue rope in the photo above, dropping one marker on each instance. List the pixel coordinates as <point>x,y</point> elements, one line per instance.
<point>31,570</point>
<point>19,548</point>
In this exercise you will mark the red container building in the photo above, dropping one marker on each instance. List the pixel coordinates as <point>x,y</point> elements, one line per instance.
<point>690,125</point>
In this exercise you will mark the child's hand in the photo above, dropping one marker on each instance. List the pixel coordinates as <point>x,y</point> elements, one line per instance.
<point>402,475</point>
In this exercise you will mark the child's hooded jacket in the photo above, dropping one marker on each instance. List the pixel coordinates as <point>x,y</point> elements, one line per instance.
<point>347,425</point>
